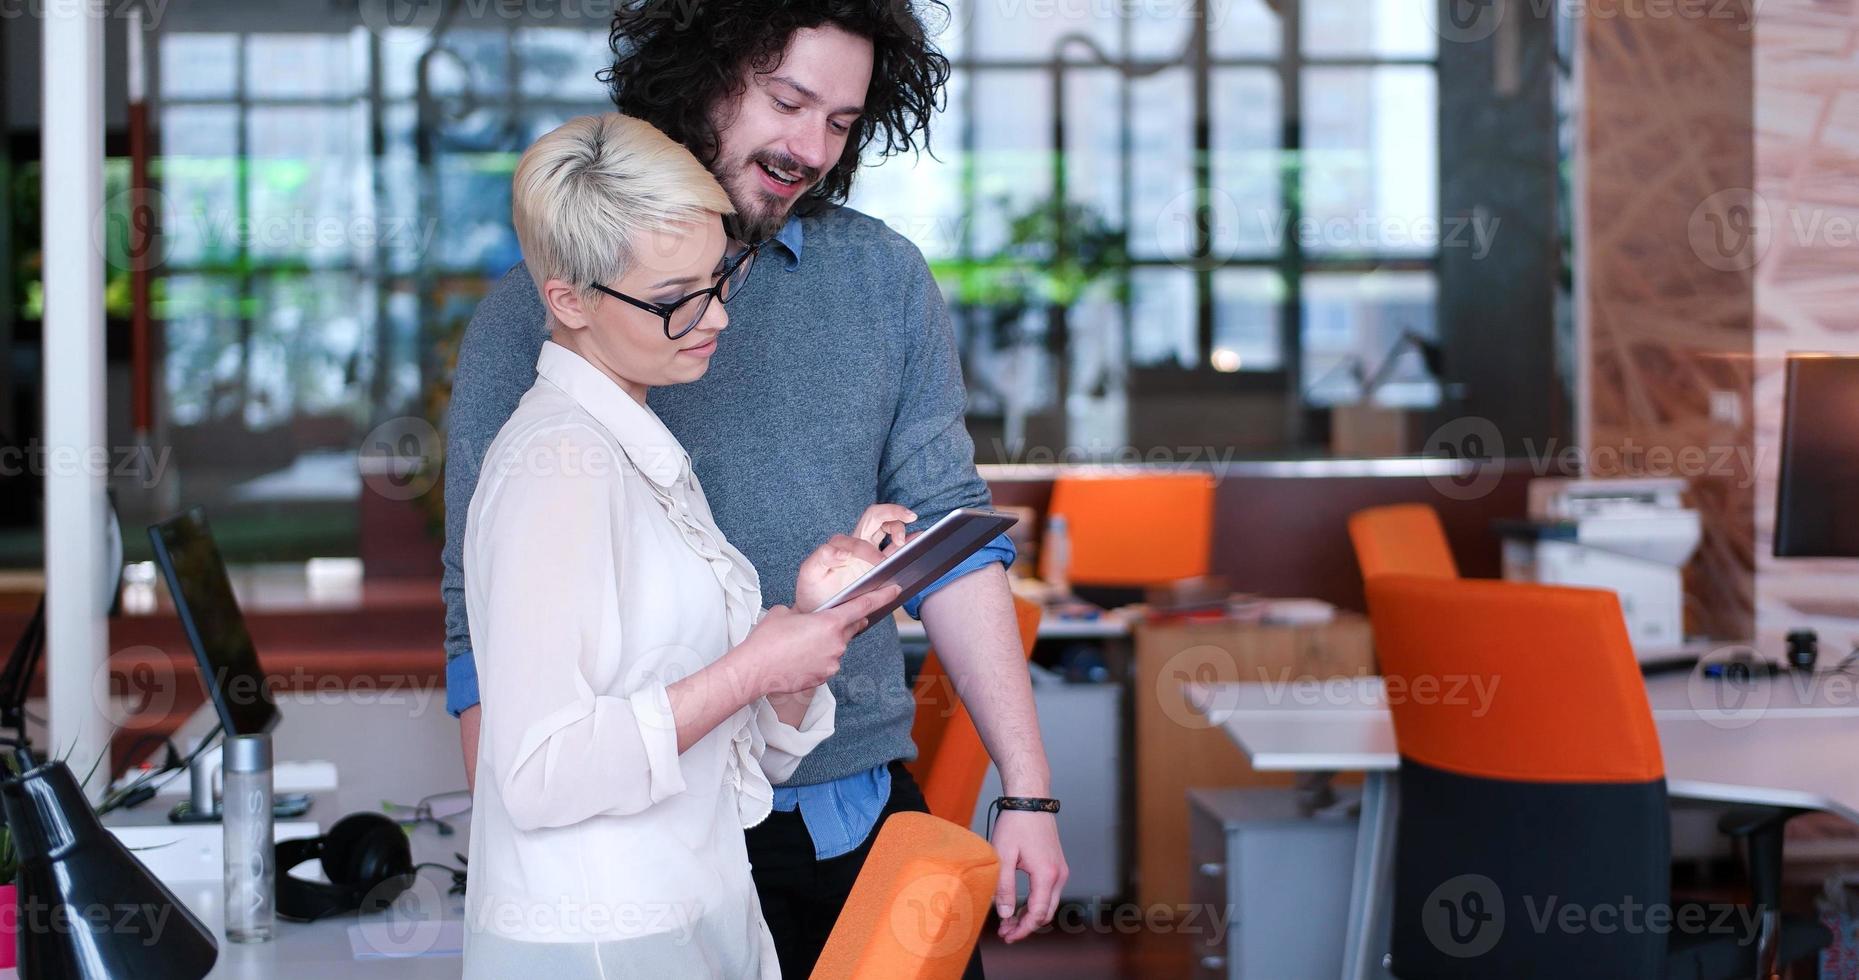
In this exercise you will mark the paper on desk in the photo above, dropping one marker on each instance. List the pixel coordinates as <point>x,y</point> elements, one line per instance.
<point>386,938</point>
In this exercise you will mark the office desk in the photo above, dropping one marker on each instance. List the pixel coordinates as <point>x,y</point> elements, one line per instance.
<point>397,745</point>
<point>1778,741</point>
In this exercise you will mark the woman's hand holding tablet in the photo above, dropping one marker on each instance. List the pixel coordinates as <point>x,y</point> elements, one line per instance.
<point>927,556</point>
<point>843,559</point>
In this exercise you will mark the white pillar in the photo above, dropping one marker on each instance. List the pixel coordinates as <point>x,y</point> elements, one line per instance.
<point>77,635</point>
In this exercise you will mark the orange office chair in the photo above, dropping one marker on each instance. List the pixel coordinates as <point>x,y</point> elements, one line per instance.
<point>951,762</point>
<point>1401,539</point>
<point>1531,768</point>
<point>917,907</point>
<point>1136,530</point>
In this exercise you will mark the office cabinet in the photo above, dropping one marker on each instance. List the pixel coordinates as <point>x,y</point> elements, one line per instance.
<point>1270,885</point>
<point>1177,748</point>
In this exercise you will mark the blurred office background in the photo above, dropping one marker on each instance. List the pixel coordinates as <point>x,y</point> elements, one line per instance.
<point>1175,231</point>
<point>1333,253</point>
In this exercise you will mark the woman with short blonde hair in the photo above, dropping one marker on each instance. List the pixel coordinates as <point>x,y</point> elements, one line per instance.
<point>638,702</point>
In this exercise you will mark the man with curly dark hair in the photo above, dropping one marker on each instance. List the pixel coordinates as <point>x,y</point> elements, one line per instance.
<point>695,82</point>
<point>836,386</point>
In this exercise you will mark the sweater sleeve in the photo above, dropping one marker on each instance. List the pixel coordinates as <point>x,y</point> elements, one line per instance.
<point>928,464</point>
<point>496,365</point>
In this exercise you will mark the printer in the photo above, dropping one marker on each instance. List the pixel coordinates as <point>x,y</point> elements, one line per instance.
<point>1632,536</point>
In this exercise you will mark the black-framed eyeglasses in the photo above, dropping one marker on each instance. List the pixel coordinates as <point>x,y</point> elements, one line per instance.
<point>682,316</point>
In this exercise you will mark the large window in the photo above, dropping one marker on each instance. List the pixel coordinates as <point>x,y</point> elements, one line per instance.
<point>1125,202</point>
<point>333,205</point>
<point>1272,171</point>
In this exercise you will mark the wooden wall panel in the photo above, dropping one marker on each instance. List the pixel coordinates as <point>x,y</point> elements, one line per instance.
<point>1806,276</point>
<point>1666,164</point>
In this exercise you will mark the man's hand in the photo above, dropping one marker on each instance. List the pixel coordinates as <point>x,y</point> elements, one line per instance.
<point>1028,841</point>
<point>971,624</point>
<point>840,561</point>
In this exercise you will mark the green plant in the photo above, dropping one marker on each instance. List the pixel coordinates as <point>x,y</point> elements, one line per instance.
<point>9,858</point>
<point>1051,258</point>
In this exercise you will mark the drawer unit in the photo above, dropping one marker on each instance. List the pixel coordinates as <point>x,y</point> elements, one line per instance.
<point>1270,886</point>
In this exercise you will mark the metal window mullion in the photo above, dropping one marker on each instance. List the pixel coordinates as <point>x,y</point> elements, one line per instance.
<point>242,202</point>
<point>1291,259</point>
<point>377,155</point>
<point>1200,46</point>
<point>1126,203</point>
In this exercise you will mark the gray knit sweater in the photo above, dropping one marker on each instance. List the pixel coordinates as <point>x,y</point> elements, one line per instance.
<point>835,386</point>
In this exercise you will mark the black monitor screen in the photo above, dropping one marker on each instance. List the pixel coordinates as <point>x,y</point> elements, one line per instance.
<point>1817,497</point>
<point>196,576</point>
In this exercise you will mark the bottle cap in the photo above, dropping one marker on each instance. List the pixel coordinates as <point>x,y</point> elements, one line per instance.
<point>246,753</point>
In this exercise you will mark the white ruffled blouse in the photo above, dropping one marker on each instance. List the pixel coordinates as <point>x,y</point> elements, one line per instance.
<point>595,577</point>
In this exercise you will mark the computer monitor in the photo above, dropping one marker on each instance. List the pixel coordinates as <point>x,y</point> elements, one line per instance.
<point>16,676</point>
<point>1817,497</point>
<point>196,576</point>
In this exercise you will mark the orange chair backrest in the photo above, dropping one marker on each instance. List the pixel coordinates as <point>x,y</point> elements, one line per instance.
<point>1507,680</point>
<point>917,907</point>
<point>1136,530</point>
<point>951,762</point>
<point>1401,539</point>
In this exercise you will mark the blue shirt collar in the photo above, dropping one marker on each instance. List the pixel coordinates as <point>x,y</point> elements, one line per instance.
<point>790,237</point>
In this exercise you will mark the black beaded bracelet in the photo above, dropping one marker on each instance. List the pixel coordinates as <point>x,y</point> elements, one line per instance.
<point>1035,804</point>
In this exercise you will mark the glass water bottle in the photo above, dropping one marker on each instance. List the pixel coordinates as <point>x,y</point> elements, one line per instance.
<point>251,865</point>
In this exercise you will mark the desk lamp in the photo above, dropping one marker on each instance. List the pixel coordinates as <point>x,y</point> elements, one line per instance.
<point>88,909</point>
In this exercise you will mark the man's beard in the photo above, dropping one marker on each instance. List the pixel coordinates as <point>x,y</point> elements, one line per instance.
<point>759,214</point>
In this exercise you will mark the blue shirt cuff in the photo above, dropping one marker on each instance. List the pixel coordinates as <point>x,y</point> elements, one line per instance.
<point>461,683</point>
<point>998,550</point>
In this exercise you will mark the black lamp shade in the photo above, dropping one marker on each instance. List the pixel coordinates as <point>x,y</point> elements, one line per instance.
<point>87,907</point>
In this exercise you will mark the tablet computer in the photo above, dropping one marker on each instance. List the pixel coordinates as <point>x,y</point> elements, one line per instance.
<point>928,556</point>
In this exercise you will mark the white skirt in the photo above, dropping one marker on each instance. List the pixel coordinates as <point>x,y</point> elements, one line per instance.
<point>706,952</point>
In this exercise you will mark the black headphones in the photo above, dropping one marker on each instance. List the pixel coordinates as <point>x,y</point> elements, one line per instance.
<point>366,857</point>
